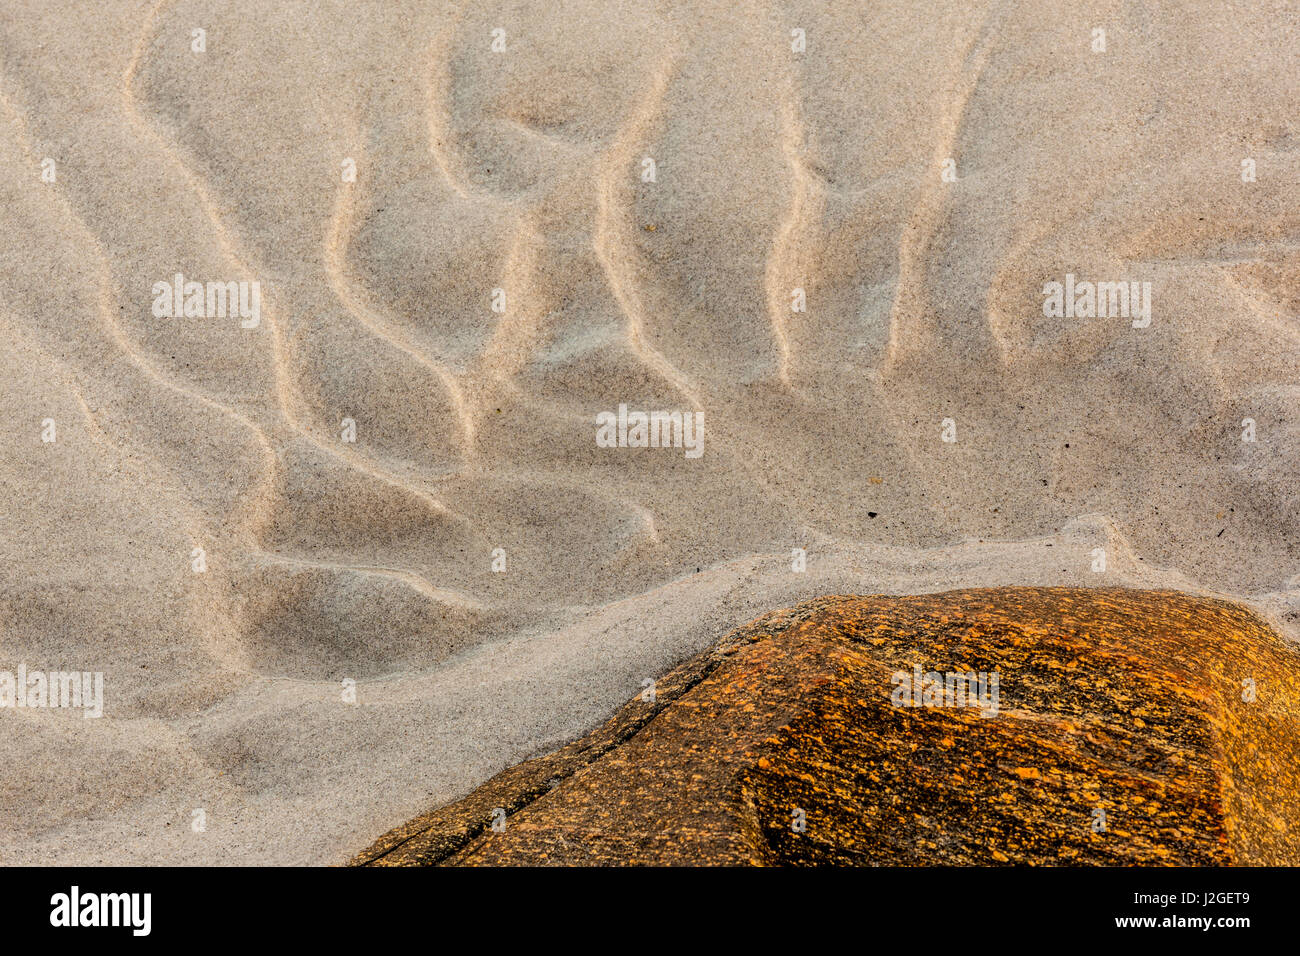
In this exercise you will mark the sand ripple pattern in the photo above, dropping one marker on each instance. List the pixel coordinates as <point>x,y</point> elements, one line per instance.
<point>521,171</point>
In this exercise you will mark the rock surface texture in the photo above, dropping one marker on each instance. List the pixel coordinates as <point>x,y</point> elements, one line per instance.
<point>1131,727</point>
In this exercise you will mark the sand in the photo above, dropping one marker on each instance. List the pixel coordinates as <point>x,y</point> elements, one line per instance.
<point>227,732</point>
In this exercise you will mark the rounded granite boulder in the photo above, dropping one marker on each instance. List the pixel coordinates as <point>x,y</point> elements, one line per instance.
<point>994,726</point>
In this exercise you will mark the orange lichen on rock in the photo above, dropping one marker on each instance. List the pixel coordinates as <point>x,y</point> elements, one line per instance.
<point>793,742</point>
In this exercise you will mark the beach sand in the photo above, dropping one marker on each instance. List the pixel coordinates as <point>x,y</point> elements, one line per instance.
<point>347,657</point>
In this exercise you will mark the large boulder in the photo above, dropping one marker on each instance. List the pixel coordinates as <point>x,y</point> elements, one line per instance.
<point>1082,726</point>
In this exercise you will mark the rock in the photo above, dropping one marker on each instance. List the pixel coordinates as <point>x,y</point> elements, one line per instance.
<point>1124,732</point>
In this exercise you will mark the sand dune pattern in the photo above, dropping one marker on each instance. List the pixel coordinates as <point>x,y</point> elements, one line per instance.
<point>298,630</point>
